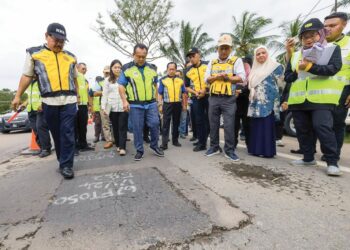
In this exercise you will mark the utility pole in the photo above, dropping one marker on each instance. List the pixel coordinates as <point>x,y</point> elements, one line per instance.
<point>335,6</point>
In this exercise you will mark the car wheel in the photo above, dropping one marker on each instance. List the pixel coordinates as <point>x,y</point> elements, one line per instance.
<point>289,125</point>
<point>5,131</point>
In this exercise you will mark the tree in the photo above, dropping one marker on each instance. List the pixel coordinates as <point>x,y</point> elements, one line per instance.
<point>188,37</point>
<point>137,21</point>
<point>289,29</point>
<point>246,33</point>
<point>342,3</point>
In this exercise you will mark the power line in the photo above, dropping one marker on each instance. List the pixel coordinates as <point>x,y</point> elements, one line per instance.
<point>318,2</point>
<point>279,26</point>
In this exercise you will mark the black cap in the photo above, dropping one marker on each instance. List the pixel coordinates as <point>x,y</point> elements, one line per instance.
<point>312,24</point>
<point>57,30</point>
<point>192,51</point>
<point>341,15</point>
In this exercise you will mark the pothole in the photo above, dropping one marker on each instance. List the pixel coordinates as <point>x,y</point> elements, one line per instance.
<point>259,174</point>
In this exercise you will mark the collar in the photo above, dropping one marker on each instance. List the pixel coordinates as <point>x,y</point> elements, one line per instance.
<point>200,64</point>
<point>340,38</point>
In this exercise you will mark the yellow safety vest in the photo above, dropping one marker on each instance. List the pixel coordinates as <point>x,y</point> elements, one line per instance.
<point>83,89</point>
<point>34,98</point>
<point>196,75</point>
<point>221,87</point>
<point>97,100</point>
<point>55,71</point>
<point>172,89</point>
<point>141,87</point>
<point>344,74</point>
<point>315,89</point>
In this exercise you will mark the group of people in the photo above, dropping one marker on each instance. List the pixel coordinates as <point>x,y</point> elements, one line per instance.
<point>131,97</point>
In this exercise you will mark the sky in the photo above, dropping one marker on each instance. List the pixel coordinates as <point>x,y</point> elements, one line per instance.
<point>23,24</point>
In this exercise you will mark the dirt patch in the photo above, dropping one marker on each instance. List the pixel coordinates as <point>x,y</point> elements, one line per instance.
<point>263,176</point>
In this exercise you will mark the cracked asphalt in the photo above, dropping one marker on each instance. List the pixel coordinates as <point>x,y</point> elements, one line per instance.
<point>182,201</point>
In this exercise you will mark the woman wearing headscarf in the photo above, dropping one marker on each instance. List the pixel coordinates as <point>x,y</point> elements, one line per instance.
<point>263,103</point>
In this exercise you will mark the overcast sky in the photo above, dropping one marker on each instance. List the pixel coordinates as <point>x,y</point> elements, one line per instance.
<point>23,24</point>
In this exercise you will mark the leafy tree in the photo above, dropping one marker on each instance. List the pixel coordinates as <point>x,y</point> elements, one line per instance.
<point>137,21</point>
<point>188,37</point>
<point>289,29</point>
<point>246,33</point>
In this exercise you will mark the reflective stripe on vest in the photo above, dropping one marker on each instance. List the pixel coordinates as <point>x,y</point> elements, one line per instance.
<point>172,89</point>
<point>315,89</point>
<point>344,74</point>
<point>55,71</point>
<point>141,86</point>
<point>196,75</point>
<point>83,89</point>
<point>221,87</point>
<point>34,98</point>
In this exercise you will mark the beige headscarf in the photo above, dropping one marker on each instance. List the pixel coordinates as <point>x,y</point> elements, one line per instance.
<point>260,71</point>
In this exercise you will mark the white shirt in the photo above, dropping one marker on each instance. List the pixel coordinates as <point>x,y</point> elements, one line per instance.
<point>238,69</point>
<point>111,100</point>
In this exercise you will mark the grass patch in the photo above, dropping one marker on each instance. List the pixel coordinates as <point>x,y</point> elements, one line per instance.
<point>347,137</point>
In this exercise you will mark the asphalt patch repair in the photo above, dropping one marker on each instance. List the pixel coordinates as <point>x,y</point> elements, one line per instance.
<point>134,209</point>
<point>252,173</point>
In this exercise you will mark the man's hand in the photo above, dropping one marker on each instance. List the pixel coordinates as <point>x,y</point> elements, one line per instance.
<point>89,109</point>
<point>15,103</point>
<point>347,102</point>
<point>201,93</point>
<point>40,108</point>
<point>126,106</point>
<point>284,106</point>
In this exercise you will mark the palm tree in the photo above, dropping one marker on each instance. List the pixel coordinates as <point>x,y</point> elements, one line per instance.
<point>189,37</point>
<point>246,33</point>
<point>289,29</point>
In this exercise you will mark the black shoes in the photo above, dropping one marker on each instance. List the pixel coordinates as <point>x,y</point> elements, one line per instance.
<point>67,173</point>
<point>44,153</point>
<point>164,146</point>
<point>199,148</point>
<point>176,144</point>
<point>157,151</point>
<point>138,156</point>
<point>87,148</point>
<point>147,139</point>
<point>193,139</point>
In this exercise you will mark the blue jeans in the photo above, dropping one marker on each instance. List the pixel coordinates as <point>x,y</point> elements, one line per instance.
<point>183,128</point>
<point>61,121</point>
<point>137,117</point>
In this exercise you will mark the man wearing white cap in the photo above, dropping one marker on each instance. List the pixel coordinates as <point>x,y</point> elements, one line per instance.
<point>222,75</point>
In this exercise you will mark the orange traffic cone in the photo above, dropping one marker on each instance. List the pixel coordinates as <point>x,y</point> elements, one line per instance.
<point>33,145</point>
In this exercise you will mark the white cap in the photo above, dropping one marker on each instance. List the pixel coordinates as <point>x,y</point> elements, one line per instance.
<point>225,40</point>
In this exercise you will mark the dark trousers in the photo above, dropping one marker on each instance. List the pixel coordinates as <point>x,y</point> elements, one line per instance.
<point>279,125</point>
<point>41,130</point>
<point>339,126</point>
<point>81,122</point>
<point>171,111</point>
<point>98,125</point>
<point>120,128</point>
<point>310,124</point>
<point>60,120</point>
<point>193,121</point>
<point>201,110</point>
<point>245,127</point>
<point>225,106</point>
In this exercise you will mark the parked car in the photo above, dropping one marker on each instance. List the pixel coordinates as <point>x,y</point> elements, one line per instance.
<point>21,122</point>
